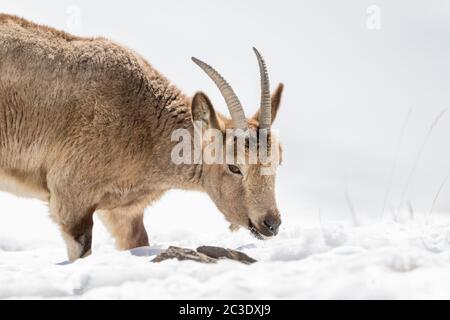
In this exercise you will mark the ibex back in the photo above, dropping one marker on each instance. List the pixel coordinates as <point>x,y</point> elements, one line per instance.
<point>86,124</point>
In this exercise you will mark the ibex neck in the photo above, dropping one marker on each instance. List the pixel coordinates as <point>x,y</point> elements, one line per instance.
<point>174,126</point>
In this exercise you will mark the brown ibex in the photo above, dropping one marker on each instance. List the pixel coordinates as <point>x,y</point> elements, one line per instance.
<point>85,125</point>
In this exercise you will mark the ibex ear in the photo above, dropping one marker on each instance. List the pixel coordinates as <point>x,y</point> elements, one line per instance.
<point>203,110</point>
<point>275,101</point>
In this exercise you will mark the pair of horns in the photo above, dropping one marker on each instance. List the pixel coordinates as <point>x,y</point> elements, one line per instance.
<point>231,99</point>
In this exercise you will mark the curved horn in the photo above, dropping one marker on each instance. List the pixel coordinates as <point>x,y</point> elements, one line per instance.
<point>233,103</point>
<point>265,114</point>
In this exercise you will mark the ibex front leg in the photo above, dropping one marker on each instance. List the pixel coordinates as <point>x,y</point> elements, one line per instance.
<point>126,226</point>
<point>76,226</point>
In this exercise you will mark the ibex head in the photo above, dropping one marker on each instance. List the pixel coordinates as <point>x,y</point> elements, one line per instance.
<point>242,190</point>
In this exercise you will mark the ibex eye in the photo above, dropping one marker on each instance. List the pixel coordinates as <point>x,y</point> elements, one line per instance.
<point>234,169</point>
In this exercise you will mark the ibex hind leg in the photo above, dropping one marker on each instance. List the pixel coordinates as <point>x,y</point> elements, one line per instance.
<point>76,226</point>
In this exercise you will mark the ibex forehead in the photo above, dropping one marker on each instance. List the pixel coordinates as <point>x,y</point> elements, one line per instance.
<point>255,147</point>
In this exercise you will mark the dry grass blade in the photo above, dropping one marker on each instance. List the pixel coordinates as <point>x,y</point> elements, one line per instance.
<point>394,166</point>
<point>351,207</point>
<point>419,155</point>
<point>441,187</point>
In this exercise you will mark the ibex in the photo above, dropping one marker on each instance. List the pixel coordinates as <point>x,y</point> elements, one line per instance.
<point>85,125</point>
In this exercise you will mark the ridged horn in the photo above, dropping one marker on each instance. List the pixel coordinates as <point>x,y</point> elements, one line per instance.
<point>231,99</point>
<point>265,113</point>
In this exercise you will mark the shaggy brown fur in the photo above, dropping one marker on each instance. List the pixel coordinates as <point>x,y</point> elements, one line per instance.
<point>85,125</point>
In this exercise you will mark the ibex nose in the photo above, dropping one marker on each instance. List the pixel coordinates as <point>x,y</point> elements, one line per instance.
<point>272,222</point>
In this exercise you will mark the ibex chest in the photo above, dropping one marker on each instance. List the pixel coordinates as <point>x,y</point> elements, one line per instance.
<point>141,197</point>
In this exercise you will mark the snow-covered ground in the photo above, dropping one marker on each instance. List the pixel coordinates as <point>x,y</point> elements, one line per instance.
<point>323,260</point>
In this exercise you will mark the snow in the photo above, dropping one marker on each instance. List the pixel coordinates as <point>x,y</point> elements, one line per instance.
<point>327,259</point>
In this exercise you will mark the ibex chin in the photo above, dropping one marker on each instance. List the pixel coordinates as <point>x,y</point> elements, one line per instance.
<point>86,124</point>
